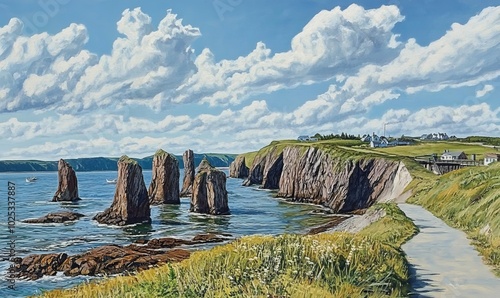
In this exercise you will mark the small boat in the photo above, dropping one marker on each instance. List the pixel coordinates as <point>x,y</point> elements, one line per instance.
<point>31,179</point>
<point>111,181</point>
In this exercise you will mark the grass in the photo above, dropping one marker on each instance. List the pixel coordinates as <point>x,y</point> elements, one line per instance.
<point>428,148</point>
<point>367,264</point>
<point>469,199</point>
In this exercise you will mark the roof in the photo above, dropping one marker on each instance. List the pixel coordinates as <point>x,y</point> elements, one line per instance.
<point>494,155</point>
<point>455,154</point>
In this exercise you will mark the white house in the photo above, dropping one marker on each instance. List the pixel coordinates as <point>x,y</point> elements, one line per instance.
<point>447,155</point>
<point>435,136</point>
<point>306,139</point>
<point>382,143</point>
<point>369,138</point>
<point>491,158</point>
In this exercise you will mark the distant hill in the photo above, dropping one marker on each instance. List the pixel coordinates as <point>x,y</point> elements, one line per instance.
<point>105,163</point>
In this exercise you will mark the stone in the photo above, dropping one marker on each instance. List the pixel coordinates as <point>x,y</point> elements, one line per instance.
<point>109,259</point>
<point>238,168</point>
<point>56,217</point>
<point>67,189</point>
<point>209,191</point>
<point>131,202</point>
<point>164,187</point>
<point>189,173</point>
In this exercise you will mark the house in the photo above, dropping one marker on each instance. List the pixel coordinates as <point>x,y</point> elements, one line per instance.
<point>369,138</point>
<point>306,139</point>
<point>491,158</point>
<point>381,142</point>
<point>435,137</point>
<point>447,155</point>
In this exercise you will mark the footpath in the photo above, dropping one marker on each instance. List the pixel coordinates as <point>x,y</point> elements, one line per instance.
<point>443,263</point>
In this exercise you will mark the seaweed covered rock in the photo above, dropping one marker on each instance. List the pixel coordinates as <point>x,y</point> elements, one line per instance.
<point>209,191</point>
<point>131,201</point>
<point>189,172</point>
<point>164,187</point>
<point>67,188</point>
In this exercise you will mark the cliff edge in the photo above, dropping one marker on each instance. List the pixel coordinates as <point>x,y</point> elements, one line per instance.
<point>340,179</point>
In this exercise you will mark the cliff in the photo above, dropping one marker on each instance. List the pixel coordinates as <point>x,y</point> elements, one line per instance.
<point>104,163</point>
<point>238,168</point>
<point>332,176</point>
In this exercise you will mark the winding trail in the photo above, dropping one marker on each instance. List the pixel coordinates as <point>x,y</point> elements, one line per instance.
<point>443,263</point>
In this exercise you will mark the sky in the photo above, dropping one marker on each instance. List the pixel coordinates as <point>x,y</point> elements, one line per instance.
<point>107,78</point>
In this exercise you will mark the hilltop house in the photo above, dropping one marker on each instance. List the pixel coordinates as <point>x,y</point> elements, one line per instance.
<point>434,137</point>
<point>491,158</point>
<point>369,138</point>
<point>382,142</point>
<point>306,139</point>
<point>447,155</point>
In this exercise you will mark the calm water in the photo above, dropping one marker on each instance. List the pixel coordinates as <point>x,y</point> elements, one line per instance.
<point>253,211</point>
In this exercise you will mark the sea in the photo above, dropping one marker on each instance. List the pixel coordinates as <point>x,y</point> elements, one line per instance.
<point>253,212</point>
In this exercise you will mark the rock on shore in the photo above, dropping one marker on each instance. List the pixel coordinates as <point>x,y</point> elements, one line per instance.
<point>238,168</point>
<point>131,202</point>
<point>189,172</point>
<point>56,217</point>
<point>67,188</point>
<point>209,191</point>
<point>109,259</point>
<point>164,187</point>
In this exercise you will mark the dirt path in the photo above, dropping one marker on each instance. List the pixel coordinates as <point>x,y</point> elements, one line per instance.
<point>443,263</point>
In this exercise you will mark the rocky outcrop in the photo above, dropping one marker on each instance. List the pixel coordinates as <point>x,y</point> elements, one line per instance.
<point>266,169</point>
<point>109,259</point>
<point>209,191</point>
<point>238,168</point>
<point>131,202</point>
<point>342,184</point>
<point>67,188</point>
<point>56,217</point>
<point>189,172</point>
<point>164,187</point>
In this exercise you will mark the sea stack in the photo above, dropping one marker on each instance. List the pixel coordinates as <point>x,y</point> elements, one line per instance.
<point>187,183</point>
<point>131,202</point>
<point>67,189</point>
<point>164,187</point>
<point>209,191</point>
<point>238,168</point>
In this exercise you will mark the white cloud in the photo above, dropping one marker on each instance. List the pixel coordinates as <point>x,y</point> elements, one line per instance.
<point>334,42</point>
<point>54,71</point>
<point>486,89</point>
<point>466,55</point>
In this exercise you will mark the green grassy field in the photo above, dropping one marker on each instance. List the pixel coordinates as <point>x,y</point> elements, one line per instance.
<point>367,264</point>
<point>428,148</point>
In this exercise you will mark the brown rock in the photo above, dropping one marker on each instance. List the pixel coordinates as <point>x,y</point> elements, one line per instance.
<point>131,202</point>
<point>164,187</point>
<point>209,191</point>
<point>341,184</point>
<point>67,189</point>
<point>266,169</point>
<point>109,259</point>
<point>238,168</point>
<point>56,217</point>
<point>189,172</point>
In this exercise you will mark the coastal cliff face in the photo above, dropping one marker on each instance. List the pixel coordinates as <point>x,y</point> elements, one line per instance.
<point>266,169</point>
<point>311,175</point>
<point>238,168</point>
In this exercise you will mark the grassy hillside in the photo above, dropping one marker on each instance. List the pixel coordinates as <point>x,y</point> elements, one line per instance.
<point>469,199</point>
<point>369,264</point>
<point>428,148</point>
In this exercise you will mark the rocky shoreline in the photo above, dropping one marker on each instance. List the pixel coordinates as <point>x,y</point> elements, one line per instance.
<point>111,259</point>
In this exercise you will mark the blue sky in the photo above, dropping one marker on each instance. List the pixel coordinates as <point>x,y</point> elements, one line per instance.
<point>106,77</point>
